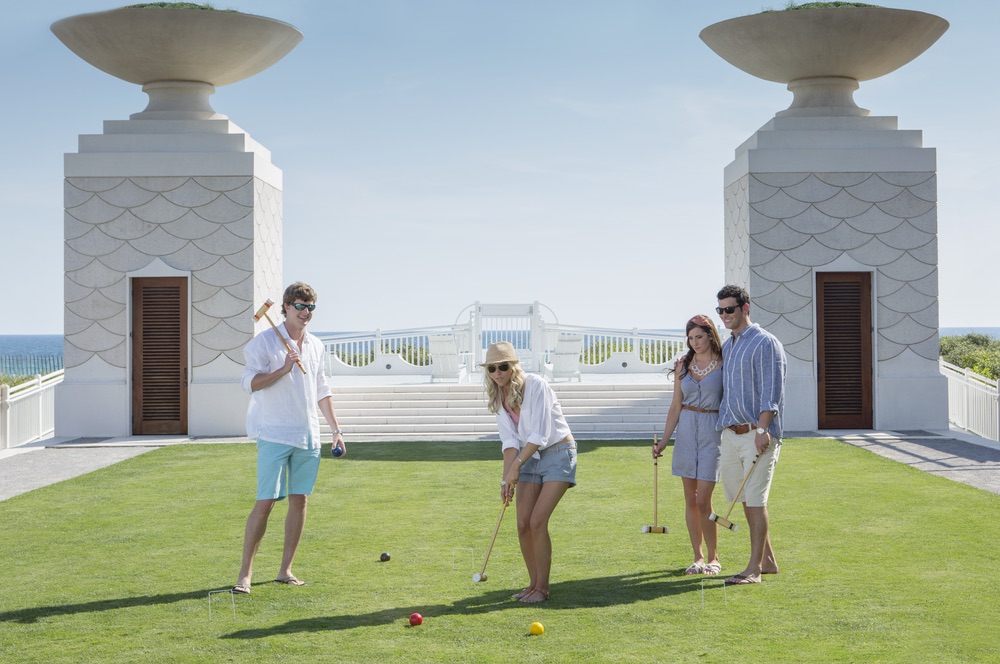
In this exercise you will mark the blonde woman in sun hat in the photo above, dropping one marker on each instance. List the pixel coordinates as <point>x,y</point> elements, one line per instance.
<point>539,457</point>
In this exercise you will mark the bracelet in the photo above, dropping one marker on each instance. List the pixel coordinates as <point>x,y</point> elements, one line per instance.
<point>336,431</point>
<point>519,460</point>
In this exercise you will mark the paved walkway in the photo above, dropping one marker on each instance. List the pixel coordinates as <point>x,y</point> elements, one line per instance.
<point>953,454</point>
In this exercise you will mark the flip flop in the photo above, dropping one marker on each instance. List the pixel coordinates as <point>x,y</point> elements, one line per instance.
<point>290,581</point>
<point>240,589</point>
<point>741,580</point>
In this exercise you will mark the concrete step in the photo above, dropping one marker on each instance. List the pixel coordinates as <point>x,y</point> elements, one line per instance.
<point>458,412</point>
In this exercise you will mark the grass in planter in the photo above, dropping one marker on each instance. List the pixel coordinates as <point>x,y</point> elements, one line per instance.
<point>879,562</point>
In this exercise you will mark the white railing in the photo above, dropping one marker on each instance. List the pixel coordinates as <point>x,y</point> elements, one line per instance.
<point>27,411</point>
<point>973,402</point>
<point>405,352</point>
<point>624,351</point>
<point>387,352</point>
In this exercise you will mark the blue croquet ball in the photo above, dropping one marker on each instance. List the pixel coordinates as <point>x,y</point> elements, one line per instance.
<point>337,451</point>
<point>384,557</point>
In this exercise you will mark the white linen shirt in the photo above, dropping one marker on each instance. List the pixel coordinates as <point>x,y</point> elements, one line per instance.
<point>286,411</point>
<point>541,421</point>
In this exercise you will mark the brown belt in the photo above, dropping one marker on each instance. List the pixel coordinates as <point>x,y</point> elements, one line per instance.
<point>740,429</point>
<point>698,410</point>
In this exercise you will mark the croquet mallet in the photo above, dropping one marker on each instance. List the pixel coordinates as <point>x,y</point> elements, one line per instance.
<point>481,576</point>
<point>724,520</point>
<point>661,530</point>
<point>263,312</point>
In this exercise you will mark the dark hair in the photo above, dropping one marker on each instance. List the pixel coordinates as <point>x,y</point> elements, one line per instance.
<point>730,290</point>
<point>705,323</point>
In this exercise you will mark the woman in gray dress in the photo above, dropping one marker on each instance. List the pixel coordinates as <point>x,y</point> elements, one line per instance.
<point>693,413</point>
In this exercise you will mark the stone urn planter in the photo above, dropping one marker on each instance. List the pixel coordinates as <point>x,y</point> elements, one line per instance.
<point>178,56</point>
<point>822,54</point>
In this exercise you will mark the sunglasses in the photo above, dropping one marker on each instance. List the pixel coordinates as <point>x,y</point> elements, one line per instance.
<point>299,306</point>
<point>728,310</point>
<point>502,367</point>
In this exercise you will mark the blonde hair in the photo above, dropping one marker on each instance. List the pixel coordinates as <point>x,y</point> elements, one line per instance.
<point>515,389</point>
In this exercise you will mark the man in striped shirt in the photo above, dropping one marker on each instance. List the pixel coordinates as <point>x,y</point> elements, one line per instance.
<point>753,375</point>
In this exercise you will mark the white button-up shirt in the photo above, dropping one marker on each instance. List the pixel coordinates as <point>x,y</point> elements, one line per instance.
<point>286,411</point>
<point>541,421</point>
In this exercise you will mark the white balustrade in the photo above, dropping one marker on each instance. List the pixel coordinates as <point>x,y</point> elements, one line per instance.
<point>973,402</point>
<point>27,411</point>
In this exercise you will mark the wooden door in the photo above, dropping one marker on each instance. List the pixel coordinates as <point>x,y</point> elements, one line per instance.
<point>844,349</point>
<point>159,356</point>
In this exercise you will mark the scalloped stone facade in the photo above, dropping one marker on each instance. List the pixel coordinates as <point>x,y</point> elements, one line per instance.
<point>808,195</point>
<point>136,207</point>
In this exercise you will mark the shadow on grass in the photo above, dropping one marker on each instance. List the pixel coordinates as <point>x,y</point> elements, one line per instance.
<point>455,451</point>
<point>28,616</point>
<point>585,593</point>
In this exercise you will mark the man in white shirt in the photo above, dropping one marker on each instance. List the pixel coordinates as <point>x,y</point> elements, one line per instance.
<point>288,390</point>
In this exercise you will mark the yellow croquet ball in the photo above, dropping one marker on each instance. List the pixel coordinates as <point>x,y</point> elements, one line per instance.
<point>537,628</point>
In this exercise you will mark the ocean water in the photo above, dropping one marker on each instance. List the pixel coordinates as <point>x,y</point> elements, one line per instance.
<point>31,344</point>
<point>992,332</point>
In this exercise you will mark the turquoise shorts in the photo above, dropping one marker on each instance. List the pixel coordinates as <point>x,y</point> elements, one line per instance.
<point>284,469</point>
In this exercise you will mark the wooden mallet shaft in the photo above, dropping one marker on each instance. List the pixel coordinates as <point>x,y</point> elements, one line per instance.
<point>661,530</point>
<point>476,578</point>
<point>724,520</point>
<point>263,312</point>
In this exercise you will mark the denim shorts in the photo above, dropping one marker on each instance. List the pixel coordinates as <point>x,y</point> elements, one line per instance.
<point>557,464</point>
<point>284,469</point>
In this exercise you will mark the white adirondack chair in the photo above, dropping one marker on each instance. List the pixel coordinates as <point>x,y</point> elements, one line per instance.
<point>565,358</point>
<point>445,361</point>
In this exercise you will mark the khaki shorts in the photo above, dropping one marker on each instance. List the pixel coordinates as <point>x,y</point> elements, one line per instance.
<point>738,452</point>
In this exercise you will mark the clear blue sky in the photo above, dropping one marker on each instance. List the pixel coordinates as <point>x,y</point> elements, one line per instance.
<point>440,152</point>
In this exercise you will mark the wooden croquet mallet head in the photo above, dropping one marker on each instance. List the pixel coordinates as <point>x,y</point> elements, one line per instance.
<point>262,312</point>
<point>724,520</point>
<point>655,528</point>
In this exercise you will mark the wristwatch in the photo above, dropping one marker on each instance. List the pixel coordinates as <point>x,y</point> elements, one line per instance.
<point>761,431</point>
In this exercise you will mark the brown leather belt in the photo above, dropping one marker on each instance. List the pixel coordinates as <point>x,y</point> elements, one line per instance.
<point>698,410</point>
<point>740,429</point>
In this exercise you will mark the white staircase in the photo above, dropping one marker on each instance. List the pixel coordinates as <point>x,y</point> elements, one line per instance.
<point>442,412</point>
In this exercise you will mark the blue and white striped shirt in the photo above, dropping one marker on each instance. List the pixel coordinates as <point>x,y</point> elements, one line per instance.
<point>753,377</point>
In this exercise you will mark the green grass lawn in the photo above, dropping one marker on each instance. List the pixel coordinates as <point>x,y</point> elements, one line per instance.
<point>879,562</point>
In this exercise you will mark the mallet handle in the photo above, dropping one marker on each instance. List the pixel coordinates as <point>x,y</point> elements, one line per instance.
<point>489,549</point>
<point>739,491</point>
<point>656,483</point>
<point>287,347</point>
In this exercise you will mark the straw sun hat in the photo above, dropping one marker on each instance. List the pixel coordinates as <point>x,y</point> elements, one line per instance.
<point>501,351</point>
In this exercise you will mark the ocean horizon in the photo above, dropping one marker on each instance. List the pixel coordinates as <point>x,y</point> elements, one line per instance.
<point>20,345</point>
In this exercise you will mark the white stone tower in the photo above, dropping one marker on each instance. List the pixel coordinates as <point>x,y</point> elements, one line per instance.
<point>831,219</point>
<point>173,228</point>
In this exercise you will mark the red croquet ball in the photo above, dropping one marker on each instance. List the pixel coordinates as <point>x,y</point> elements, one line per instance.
<point>416,619</point>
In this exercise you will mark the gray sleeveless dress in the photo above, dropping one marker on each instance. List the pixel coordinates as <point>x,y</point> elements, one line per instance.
<point>696,442</point>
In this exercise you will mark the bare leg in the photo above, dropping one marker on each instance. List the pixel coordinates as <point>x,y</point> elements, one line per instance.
<point>693,517</point>
<point>295,523</point>
<point>254,533</point>
<point>527,495</point>
<point>709,529</point>
<point>757,520</point>
<point>548,497</point>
